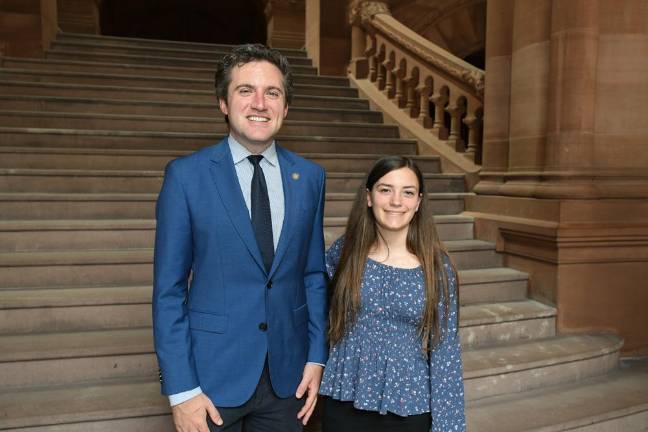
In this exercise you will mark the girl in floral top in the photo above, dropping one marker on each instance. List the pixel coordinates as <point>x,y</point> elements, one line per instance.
<point>395,359</point>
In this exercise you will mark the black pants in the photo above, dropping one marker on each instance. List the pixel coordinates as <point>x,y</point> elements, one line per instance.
<point>264,412</point>
<point>343,417</point>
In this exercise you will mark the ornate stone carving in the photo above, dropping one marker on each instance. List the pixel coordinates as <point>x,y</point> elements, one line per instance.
<point>360,12</point>
<point>473,78</point>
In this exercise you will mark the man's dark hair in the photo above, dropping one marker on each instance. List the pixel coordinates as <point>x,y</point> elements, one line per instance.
<point>247,53</point>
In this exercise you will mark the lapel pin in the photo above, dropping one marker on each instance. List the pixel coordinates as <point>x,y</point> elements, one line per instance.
<point>295,176</point>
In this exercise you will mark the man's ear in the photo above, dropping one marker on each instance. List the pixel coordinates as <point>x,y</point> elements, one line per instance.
<point>222,104</point>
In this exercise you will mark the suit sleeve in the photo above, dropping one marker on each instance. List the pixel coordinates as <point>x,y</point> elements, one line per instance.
<point>172,266</point>
<point>446,371</point>
<point>315,283</point>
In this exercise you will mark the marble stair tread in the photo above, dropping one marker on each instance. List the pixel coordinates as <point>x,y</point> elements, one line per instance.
<point>142,255</point>
<point>198,135</point>
<point>208,52</point>
<point>617,401</point>
<point>154,159</point>
<point>15,87</point>
<point>100,39</point>
<point>159,173</point>
<point>475,276</point>
<point>105,224</point>
<point>74,296</point>
<point>464,245</point>
<point>173,71</point>
<point>492,313</point>
<point>51,103</point>
<point>147,59</point>
<point>19,347</point>
<point>105,400</point>
<point>505,358</point>
<point>201,84</point>
<point>215,120</point>
<point>39,196</point>
<point>76,257</point>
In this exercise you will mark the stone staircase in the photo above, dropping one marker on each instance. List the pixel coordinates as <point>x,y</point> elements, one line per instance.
<point>85,135</point>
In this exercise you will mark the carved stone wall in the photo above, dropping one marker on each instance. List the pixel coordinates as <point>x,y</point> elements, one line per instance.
<point>564,182</point>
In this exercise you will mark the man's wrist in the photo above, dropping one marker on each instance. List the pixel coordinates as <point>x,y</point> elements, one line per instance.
<point>178,398</point>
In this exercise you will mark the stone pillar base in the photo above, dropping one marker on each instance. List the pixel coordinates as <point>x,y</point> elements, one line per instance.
<point>587,257</point>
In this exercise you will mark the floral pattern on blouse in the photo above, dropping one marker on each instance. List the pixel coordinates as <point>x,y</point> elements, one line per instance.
<point>379,364</point>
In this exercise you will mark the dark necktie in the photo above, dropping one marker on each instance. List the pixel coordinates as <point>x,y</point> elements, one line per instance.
<point>261,218</point>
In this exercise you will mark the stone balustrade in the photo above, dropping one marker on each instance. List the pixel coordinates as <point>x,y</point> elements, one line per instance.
<point>442,92</point>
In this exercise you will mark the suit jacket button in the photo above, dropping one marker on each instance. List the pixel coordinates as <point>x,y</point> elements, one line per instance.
<point>263,326</point>
<point>269,284</point>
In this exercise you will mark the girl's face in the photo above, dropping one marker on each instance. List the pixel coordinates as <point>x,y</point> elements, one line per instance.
<point>394,199</point>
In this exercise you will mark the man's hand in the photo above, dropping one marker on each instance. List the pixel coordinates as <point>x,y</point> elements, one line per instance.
<point>191,415</point>
<point>309,384</point>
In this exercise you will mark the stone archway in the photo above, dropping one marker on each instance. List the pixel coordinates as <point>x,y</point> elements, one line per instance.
<point>230,22</point>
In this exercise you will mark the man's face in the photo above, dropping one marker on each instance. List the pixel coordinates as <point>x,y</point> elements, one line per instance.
<point>256,104</point>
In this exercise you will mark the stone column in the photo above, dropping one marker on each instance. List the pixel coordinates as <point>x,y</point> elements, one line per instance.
<point>564,193</point>
<point>531,47</point>
<point>286,23</point>
<point>497,94</point>
<point>27,27</point>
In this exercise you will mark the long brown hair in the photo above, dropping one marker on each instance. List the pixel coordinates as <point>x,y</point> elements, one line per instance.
<point>361,234</point>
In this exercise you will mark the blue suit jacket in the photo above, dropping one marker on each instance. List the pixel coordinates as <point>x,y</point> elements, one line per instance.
<point>207,329</point>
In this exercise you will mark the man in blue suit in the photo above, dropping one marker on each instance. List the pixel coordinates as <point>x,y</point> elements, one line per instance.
<point>239,299</point>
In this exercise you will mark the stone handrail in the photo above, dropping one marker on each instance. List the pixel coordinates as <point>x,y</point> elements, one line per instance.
<point>442,92</point>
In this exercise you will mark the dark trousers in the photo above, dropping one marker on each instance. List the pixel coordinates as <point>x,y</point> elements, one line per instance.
<point>264,412</point>
<point>343,417</point>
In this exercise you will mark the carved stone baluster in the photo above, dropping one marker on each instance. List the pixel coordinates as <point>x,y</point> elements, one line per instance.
<point>438,128</point>
<point>410,103</point>
<point>380,79</point>
<point>474,123</point>
<point>399,94</point>
<point>424,118</point>
<point>373,72</point>
<point>389,84</point>
<point>456,110</point>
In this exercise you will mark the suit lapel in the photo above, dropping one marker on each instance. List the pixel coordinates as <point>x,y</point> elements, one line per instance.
<point>224,176</point>
<point>290,181</point>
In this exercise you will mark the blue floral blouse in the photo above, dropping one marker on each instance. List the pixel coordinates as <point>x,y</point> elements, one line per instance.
<point>380,366</point>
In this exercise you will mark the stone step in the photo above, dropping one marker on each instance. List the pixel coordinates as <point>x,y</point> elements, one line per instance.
<point>490,285</point>
<point>137,81</point>
<point>485,323</point>
<point>158,43</point>
<point>192,54</point>
<point>17,206</point>
<point>519,366</point>
<point>64,358</point>
<point>83,55</point>
<point>48,310</point>
<point>61,104</point>
<point>213,125</point>
<point>145,71</point>
<point>51,310</point>
<point>49,235</point>
<point>19,88</point>
<point>309,88</point>
<point>615,402</point>
<point>79,357</point>
<point>115,405</point>
<point>81,158</point>
<point>43,326</point>
<point>138,181</point>
<point>133,266</point>
<point>78,138</point>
